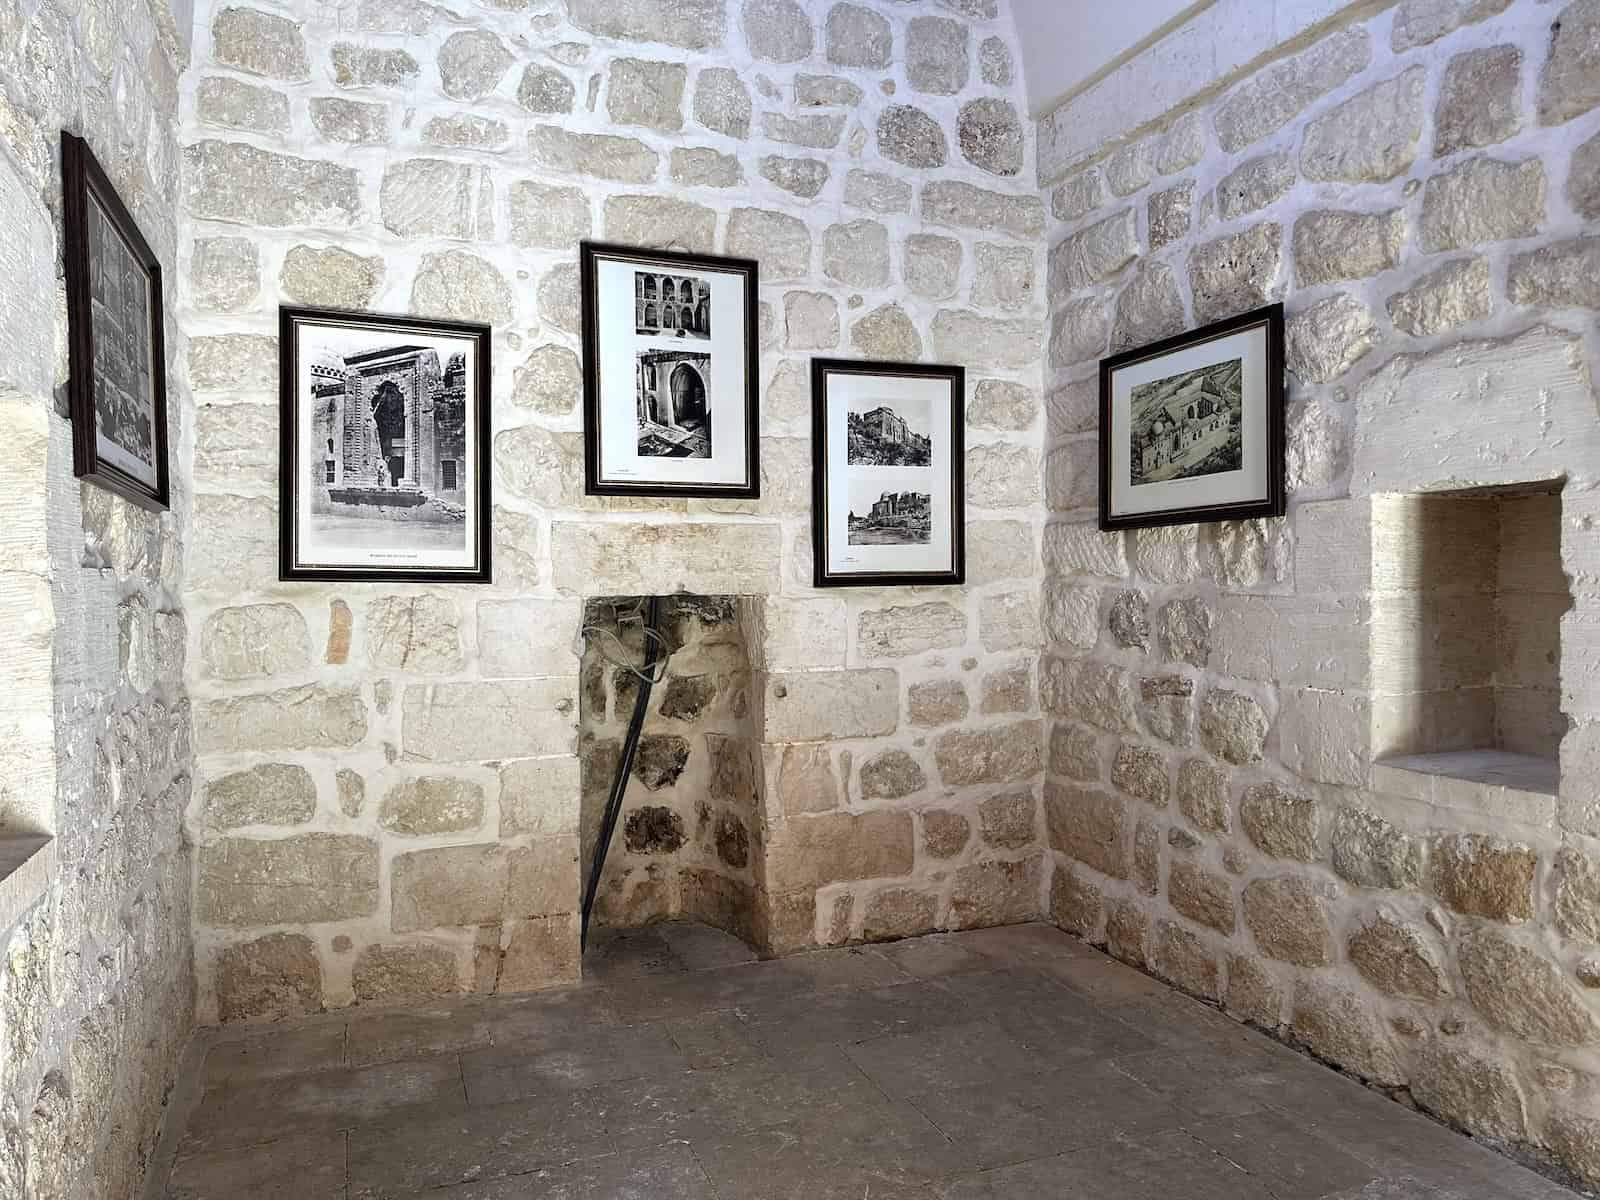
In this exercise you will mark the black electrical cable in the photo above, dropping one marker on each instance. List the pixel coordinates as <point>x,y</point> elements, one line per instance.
<point>620,784</point>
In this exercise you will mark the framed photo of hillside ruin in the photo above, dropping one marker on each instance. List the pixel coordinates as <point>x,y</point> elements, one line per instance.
<point>888,466</point>
<point>1192,428</point>
<point>669,373</point>
<point>384,432</point>
<point>117,391</point>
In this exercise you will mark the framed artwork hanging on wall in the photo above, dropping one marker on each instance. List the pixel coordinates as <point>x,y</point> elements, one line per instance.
<point>888,473</point>
<point>384,448</point>
<point>669,374</point>
<point>1192,428</point>
<point>117,391</point>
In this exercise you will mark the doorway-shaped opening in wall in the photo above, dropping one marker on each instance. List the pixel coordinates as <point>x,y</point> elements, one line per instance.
<point>1468,595</point>
<point>685,843</point>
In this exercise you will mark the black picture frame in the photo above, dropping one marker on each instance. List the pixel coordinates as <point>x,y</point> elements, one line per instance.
<point>1273,501</point>
<point>597,478</point>
<point>294,465</point>
<point>102,325</point>
<point>822,493</point>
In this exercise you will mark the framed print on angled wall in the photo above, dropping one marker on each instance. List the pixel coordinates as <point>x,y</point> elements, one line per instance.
<point>888,473</point>
<point>669,374</point>
<point>1191,428</point>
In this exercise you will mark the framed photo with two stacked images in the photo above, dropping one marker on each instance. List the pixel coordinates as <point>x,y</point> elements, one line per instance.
<point>1192,428</point>
<point>669,373</point>
<point>888,466</point>
<point>117,392</point>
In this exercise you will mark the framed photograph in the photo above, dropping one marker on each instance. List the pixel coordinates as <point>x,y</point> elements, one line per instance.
<point>384,458</point>
<point>887,473</point>
<point>1191,428</point>
<point>669,374</point>
<point>117,393</point>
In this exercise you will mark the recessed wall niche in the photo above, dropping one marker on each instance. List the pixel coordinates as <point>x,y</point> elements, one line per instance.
<point>1468,594</point>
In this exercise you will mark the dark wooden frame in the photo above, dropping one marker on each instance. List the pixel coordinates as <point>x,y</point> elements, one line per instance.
<point>82,174</point>
<point>821,369</point>
<point>589,255</point>
<point>1275,502</point>
<point>289,473</point>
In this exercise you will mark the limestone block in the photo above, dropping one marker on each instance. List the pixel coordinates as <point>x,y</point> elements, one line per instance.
<point>1270,99</point>
<point>1001,474</point>
<point>1127,927</point>
<point>995,63</point>
<point>1168,553</point>
<point>300,718</point>
<point>1516,990</point>
<point>891,775</point>
<point>1399,959</point>
<point>1470,1092</point>
<point>1370,138</point>
<point>1236,273</point>
<point>1147,858</point>
<point>1326,736</point>
<point>549,381</point>
<point>1090,825</point>
<point>936,702</point>
<point>996,892</point>
<point>403,972</point>
<point>452,886</point>
<point>366,66</point>
<point>887,334</point>
<point>937,60</point>
<point>330,277</point>
<point>1166,708</point>
<point>999,404</point>
<point>856,253</point>
<point>1076,904</point>
<point>1098,693</point>
<point>300,880</point>
<point>1560,275</point>
<point>1078,331</point>
<point>269,794</point>
<point>1130,168</point>
<point>553,217</point>
<point>819,131</point>
<point>471,64</point>
<point>990,134</point>
<point>646,93</point>
<point>857,37</point>
<point>1253,994</point>
<point>1341,1027</point>
<point>806,780</point>
<point>599,155</point>
<point>536,797</point>
<point>414,633</point>
<point>231,362</point>
<point>1480,100</point>
<point>722,102</point>
<point>985,342</point>
<point>1329,338</point>
<point>638,559</point>
<point>782,243</point>
<point>996,754</point>
<point>1071,614</point>
<point>1202,793</point>
<point>909,629</point>
<point>1287,917</point>
<point>431,804</point>
<point>1079,195</point>
<point>1071,478</point>
<point>1254,184</point>
<point>1183,144</point>
<point>351,121</point>
<point>1569,83</point>
<point>1184,959</point>
<point>776,30</point>
<point>1129,619</point>
<point>1148,309</point>
<point>810,851</point>
<point>465,722</point>
<point>661,222</point>
<point>1095,254</point>
<point>1482,200</point>
<point>1168,214</point>
<point>1081,549</point>
<point>459,286</point>
<point>1008,821</point>
<point>352,790</point>
<point>1202,896</point>
<point>688,24</point>
<point>699,167</point>
<point>260,43</point>
<point>1456,294</point>
<point>910,137</point>
<point>1280,823</point>
<point>254,640</point>
<point>1583,179</point>
<point>808,706</point>
<point>1483,876</point>
<point>1334,246</point>
<point>1419,22</point>
<point>1232,726</point>
<point>876,191</point>
<point>1005,276</point>
<point>1141,772</point>
<point>898,912</point>
<point>234,104</point>
<point>268,979</point>
<point>804,177</point>
<point>1577,900</point>
<point>1575,1137</point>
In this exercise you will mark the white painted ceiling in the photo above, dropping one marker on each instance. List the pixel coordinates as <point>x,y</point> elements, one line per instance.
<point>1065,42</point>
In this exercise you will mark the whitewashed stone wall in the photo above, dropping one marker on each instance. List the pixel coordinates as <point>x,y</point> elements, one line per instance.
<point>446,158</point>
<point>96,987</point>
<point>1420,189</point>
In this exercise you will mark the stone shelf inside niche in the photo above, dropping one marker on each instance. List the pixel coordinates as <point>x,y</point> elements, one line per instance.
<point>1519,787</point>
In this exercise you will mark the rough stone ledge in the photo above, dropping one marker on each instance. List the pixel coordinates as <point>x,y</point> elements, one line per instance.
<point>27,863</point>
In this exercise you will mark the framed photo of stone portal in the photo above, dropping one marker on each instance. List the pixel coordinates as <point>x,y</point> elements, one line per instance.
<point>384,448</point>
<point>888,473</point>
<point>1191,428</point>
<point>669,373</point>
<point>117,392</point>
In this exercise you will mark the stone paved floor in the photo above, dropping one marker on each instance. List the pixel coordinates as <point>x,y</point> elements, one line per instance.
<point>1009,1063</point>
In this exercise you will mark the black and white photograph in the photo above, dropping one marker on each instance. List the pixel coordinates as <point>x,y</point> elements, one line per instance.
<point>880,518</point>
<point>670,396</point>
<point>676,306</point>
<point>888,468</point>
<point>884,436</point>
<point>1187,425</point>
<point>117,392</point>
<point>384,465</point>
<point>1191,428</point>
<point>674,404</point>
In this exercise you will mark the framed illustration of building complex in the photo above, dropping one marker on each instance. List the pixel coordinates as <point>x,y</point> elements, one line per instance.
<point>384,430</point>
<point>888,467</point>
<point>117,392</point>
<point>669,396</point>
<point>1191,428</point>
